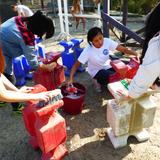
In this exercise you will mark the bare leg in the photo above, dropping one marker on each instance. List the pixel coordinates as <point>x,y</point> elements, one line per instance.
<point>77,22</point>
<point>84,23</point>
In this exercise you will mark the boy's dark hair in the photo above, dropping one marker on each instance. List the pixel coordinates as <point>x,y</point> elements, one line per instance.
<point>14,5</point>
<point>93,32</point>
<point>40,24</point>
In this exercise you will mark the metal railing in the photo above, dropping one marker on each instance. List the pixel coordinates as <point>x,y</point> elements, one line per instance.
<point>108,19</point>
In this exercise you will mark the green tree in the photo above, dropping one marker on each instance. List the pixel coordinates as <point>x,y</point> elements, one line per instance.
<point>135,6</point>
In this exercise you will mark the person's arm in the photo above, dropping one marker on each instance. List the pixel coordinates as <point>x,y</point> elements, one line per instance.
<point>14,96</point>
<point>72,12</point>
<point>8,85</point>
<point>144,78</point>
<point>125,50</point>
<point>48,67</point>
<point>29,52</point>
<point>73,71</point>
<point>147,72</point>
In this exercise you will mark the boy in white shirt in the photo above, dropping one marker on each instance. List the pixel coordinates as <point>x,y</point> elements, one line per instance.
<point>96,54</point>
<point>22,10</point>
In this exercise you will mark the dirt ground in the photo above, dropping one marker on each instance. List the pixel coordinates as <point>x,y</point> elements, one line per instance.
<point>86,132</point>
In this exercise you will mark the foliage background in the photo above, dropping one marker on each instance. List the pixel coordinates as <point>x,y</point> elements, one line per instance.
<point>135,6</point>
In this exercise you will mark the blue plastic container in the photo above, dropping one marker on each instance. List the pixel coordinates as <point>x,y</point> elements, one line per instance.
<point>78,50</point>
<point>68,57</point>
<point>77,41</point>
<point>70,54</point>
<point>19,71</point>
<point>67,46</point>
<point>38,40</point>
<point>41,51</point>
<point>27,68</point>
<point>68,61</point>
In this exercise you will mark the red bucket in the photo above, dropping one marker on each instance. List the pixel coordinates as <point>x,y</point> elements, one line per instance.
<point>73,102</point>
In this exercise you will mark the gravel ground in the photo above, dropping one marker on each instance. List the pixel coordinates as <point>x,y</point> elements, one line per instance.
<point>86,132</point>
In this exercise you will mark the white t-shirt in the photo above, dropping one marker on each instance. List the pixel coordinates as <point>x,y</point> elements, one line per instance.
<point>25,10</point>
<point>148,71</point>
<point>98,58</point>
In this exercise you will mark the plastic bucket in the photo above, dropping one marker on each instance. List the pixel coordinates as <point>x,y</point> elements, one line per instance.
<point>73,103</point>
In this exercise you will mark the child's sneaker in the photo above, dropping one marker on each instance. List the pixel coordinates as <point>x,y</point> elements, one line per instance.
<point>18,109</point>
<point>2,104</point>
<point>97,86</point>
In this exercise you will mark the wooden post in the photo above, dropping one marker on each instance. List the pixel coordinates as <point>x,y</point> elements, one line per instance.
<point>52,5</point>
<point>125,16</point>
<point>32,2</point>
<point>42,4</point>
<point>106,6</point>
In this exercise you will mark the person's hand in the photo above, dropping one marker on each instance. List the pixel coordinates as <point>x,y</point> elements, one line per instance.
<point>128,80</point>
<point>49,67</point>
<point>123,94</point>
<point>138,56</point>
<point>54,92</point>
<point>154,87</point>
<point>70,81</point>
<point>26,89</point>
<point>46,96</point>
<point>53,64</point>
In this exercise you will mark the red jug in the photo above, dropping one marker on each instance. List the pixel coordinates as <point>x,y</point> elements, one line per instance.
<point>50,128</point>
<point>29,116</point>
<point>123,70</point>
<point>56,154</point>
<point>46,127</point>
<point>133,66</point>
<point>51,80</point>
<point>120,67</point>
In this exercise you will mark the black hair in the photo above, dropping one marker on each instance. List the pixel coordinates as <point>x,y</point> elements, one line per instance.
<point>151,28</point>
<point>93,32</point>
<point>40,24</point>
